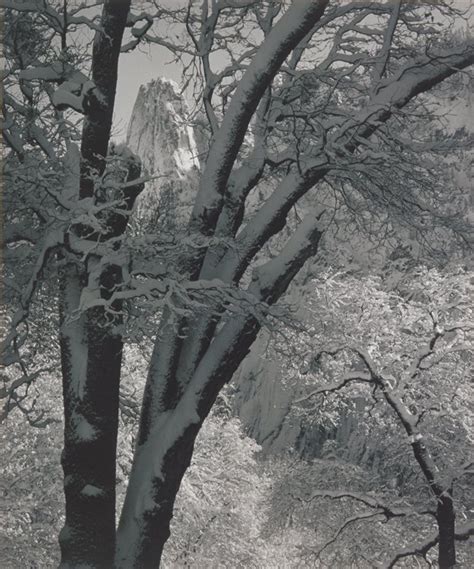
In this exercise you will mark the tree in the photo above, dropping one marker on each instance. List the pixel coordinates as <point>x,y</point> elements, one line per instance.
<point>218,513</point>
<point>319,120</point>
<point>415,360</point>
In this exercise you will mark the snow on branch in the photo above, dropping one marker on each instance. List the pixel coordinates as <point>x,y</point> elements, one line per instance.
<point>346,379</point>
<point>286,34</point>
<point>270,280</point>
<point>375,503</point>
<point>74,90</point>
<point>269,219</point>
<point>14,400</point>
<point>55,18</point>
<point>415,77</point>
<point>383,56</point>
<point>410,422</point>
<point>463,532</point>
<point>348,522</point>
<point>418,550</point>
<point>426,358</point>
<point>51,242</point>
<point>381,509</point>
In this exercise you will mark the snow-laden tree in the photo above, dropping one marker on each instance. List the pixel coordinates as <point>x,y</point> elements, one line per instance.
<point>308,103</point>
<point>219,511</point>
<point>399,363</point>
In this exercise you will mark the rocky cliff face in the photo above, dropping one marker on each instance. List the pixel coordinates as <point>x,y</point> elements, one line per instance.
<point>263,401</point>
<point>160,134</point>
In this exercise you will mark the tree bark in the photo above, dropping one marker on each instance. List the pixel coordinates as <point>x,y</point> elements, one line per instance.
<point>90,360</point>
<point>91,343</point>
<point>445,517</point>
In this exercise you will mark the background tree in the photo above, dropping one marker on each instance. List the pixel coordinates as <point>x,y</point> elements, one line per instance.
<point>420,342</point>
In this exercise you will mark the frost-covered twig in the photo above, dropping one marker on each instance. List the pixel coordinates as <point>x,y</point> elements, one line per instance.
<point>387,510</point>
<point>349,521</point>
<point>346,379</point>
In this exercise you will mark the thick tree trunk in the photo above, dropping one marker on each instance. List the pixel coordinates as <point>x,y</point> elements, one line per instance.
<point>91,343</point>
<point>91,359</point>
<point>140,546</point>
<point>161,461</point>
<point>445,517</point>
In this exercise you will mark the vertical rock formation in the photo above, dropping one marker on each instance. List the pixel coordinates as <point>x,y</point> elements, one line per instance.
<point>160,134</point>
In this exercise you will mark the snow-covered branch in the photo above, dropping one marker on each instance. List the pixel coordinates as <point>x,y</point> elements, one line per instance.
<point>348,522</point>
<point>346,379</point>
<point>383,56</point>
<point>462,533</point>
<point>290,29</point>
<point>387,510</point>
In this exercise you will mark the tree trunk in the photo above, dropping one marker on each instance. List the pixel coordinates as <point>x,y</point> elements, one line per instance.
<point>91,342</point>
<point>91,360</point>
<point>445,517</point>
<point>161,461</point>
<point>140,546</point>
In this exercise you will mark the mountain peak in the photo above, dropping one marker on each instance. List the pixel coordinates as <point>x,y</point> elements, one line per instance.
<point>159,131</point>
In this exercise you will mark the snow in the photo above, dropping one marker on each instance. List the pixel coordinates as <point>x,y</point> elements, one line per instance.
<point>74,331</point>
<point>292,27</point>
<point>186,154</point>
<point>72,94</point>
<point>158,132</point>
<point>83,430</point>
<point>288,191</point>
<point>415,438</point>
<point>41,139</point>
<point>53,72</point>
<point>167,430</point>
<point>74,85</point>
<point>170,428</point>
<point>92,491</point>
<point>265,276</point>
<point>409,81</point>
<point>147,468</point>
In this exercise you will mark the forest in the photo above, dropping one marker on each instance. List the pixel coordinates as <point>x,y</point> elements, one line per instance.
<point>239,332</point>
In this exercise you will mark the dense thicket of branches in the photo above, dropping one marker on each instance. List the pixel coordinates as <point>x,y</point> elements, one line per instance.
<point>309,108</point>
